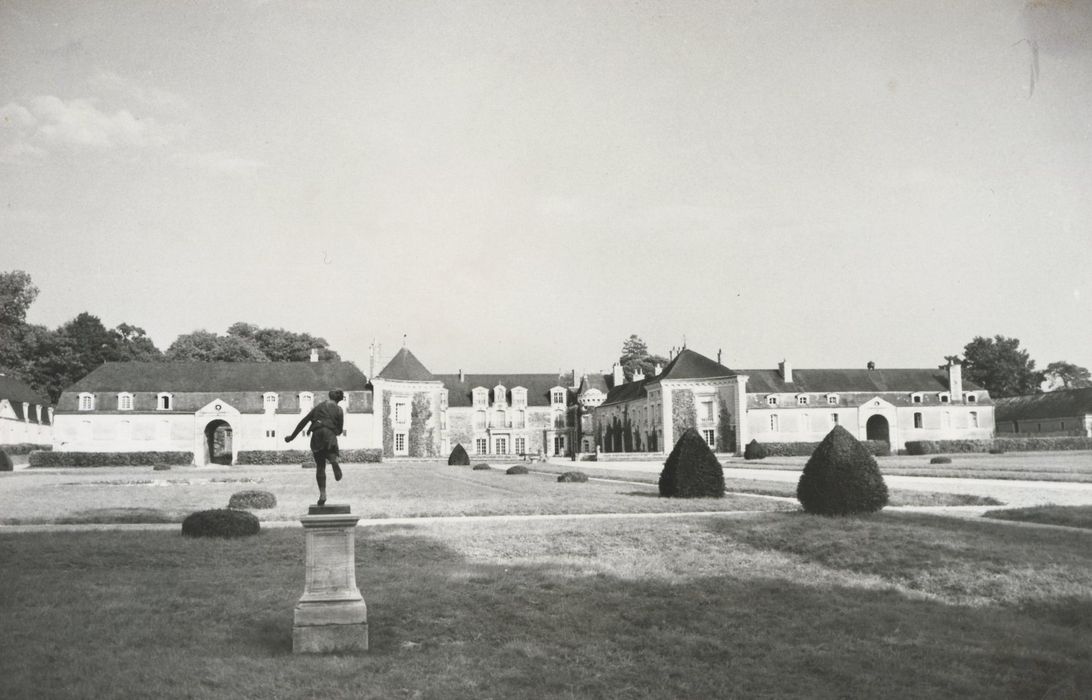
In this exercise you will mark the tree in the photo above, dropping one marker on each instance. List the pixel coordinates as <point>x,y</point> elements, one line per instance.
<point>692,470</point>
<point>17,293</point>
<point>203,346</point>
<point>635,356</point>
<point>841,478</point>
<point>1066,375</point>
<point>280,345</point>
<point>1000,366</point>
<point>133,344</point>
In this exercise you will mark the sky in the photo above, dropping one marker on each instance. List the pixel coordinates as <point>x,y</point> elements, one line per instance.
<point>519,186</point>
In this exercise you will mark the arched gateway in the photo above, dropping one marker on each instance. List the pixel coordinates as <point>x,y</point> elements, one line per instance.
<point>877,428</point>
<point>218,438</point>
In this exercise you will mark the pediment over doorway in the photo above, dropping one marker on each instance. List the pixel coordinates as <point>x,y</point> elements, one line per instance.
<point>877,404</point>
<point>217,407</point>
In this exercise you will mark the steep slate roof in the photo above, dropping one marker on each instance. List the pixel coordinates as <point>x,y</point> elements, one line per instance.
<point>1053,404</point>
<point>16,391</point>
<point>686,365</point>
<point>223,377</point>
<point>404,367</point>
<point>805,381</point>
<point>600,382</point>
<point>460,393</point>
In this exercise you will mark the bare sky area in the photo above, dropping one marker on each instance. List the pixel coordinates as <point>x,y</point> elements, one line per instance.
<point>518,186</point>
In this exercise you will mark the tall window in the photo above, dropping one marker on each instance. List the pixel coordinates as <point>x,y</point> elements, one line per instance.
<point>270,401</point>
<point>481,446</point>
<point>918,420</point>
<point>164,401</point>
<point>521,445</point>
<point>400,443</point>
<point>558,397</point>
<point>833,419</point>
<point>707,410</point>
<point>502,445</point>
<point>400,412</point>
<point>481,397</point>
<point>125,401</point>
<point>87,402</point>
<point>774,422</point>
<point>519,397</point>
<point>710,437</point>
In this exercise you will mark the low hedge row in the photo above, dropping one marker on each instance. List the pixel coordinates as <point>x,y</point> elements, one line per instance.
<point>998,445</point>
<point>365,456</point>
<point>107,459</point>
<point>877,448</point>
<point>25,448</point>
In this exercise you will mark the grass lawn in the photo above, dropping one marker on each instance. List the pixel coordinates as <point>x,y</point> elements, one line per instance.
<point>1073,516</point>
<point>403,489</point>
<point>762,605</point>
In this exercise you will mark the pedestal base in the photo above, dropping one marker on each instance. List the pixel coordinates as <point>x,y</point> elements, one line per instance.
<point>326,639</point>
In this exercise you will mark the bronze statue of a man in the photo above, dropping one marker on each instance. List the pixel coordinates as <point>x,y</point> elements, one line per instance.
<point>327,422</point>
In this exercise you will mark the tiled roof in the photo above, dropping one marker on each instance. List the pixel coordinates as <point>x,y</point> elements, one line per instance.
<point>222,377</point>
<point>404,367</point>
<point>1053,404</point>
<point>460,393</point>
<point>17,391</point>
<point>693,365</point>
<point>600,382</point>
<point>769,381</point>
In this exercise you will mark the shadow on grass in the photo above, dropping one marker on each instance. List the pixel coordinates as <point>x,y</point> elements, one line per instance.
<point>153,613</point>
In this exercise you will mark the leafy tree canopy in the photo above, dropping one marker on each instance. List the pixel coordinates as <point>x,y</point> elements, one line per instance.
<point>635,356</point>
<point>204,346</point>
<point>280,345</point>
<point>1066,375</point>
<point>1000,366</point>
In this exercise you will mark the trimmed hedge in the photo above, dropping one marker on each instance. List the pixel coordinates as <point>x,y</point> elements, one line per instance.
<point>754,450</point>
<point>573,478</point>
<point>1006,444</point>
<point>877,448</point>
<point>223,522</point>
<point>940,460</point>
<point>161,468</point>
<point>841,478</point>
<point>108,459</point>
<point>691,470</point>
<point>253,499</point>
<point>516,469</point>
<point>5,462</point>
<point>25,448</point>
<point>481,467</point>
<point>306,458</point>
<point>458,457</point>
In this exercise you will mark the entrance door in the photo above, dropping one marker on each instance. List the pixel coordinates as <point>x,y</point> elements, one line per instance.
<point>218,437</point>
<point>877,429</point>
<point>501,446</point>
<point>559,445</point>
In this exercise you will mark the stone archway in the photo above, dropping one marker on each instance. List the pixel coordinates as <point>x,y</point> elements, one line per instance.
<point>218,442</point>
<point>877,428</point>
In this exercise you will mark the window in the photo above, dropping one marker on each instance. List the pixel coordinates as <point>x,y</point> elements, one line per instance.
<point>125,401</point>
<point>521,446</point>
<point>165,401</point>
<point>500,395</point>
<point>307,401</point>
<point>501,445</point>
<point>944,398</point>
<point>271,433</point>
<point>481,397</point>
<point>915,398</point>
<point>918,420</point>
<point>269,400</point>
<point>832,399</point>
<point>400,411</point>
<point>801,400</point>
<point>974,420</point>
<point>519,397</point>
<point>707,410</point>
<point>710,437</point>
<point>972,398</point>
<point>87,402</point>
<point>833,419</point>
<point>481,446</point>
<point>774,422</point>
<point>557,397</point>
<point>771,400</point>
<point>400,443</point>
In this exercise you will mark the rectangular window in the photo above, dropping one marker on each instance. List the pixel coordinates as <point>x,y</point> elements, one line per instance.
<point>271,433</point>
<point>710,437</point>
<point>399,412</point>
<point>502,446</point>
<point>774,422</point>
<point>974,420</point>
<point>832,400</point>
<point>833,419</point>
<point>164,402</point>
<point>918,421</point>
<point>972,398</point>
<point>481,446</point>
<point>707,410</point>
<point>801,400</point>
<point>944,398</point>
<point>87,402</point>
<point>125,402</point>
<point>399,443</point>
<point>521,446</point>
<point>771,400</point>
<point>916,398</point>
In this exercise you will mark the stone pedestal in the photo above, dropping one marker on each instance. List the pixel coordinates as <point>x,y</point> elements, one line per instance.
<point>331,616</point>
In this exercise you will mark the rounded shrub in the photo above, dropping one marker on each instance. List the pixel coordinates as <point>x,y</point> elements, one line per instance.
<point>940,460</point>
<point>459,457</point>
<point>481,467</point>
<point>997,451</point>
<point>691,470</point>
<point>841,478</point>
<point>252,499</point>
<point>5,462</point>
<point>516,469</point>
<point>573,478</point>
<point>754,450</point>
<point>223,522</point>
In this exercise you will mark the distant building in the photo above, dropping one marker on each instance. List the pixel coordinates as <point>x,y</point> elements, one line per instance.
<point>731,407</point>
<point>1055,413</point>
<point>214,409</point>
<point>25,415</point>
<point>425,415</point>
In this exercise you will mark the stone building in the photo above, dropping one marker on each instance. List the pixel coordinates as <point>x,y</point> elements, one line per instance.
<point>214,409</point>
<point>25,416</point>
<point>1053,414</point>
<point>425,415</point>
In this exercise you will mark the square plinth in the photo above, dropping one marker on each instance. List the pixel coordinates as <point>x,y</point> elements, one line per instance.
<point>328,639</point>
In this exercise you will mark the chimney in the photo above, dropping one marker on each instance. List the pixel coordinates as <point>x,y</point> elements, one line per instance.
<point>638,375</point>
<point>955,379</point>
<point>658,369</point>
<point>314,354</point>
<point>718,356</point>
<point>871,365</point>
<point>576,379</point>
<point>786,370</point>
<point>619,375</point>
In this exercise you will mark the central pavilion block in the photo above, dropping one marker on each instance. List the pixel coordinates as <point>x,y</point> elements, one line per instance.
<point>331,615</point>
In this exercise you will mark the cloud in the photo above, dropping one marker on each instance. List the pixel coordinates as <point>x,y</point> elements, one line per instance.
<point>223,162</point>
<point>81,123</point>
<point>129,91</point>
<point>16,115</point>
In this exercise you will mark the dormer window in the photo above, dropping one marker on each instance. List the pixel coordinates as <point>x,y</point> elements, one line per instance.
<point>164,401</point>
<point>915,398</point>
<point>519,397</point>
<point>307,401</point>
<point>87,402</point>
<point>125,401</point>
<point>500,395</point>
<point>832,399</point>
<point>771,400</point>
<point>557,397</point>
<point>26,411</point>
<point>269,400</point>
<point>481,397</point>
<point>971,398</point>
<point>801,400</point>
<point>944,398</point>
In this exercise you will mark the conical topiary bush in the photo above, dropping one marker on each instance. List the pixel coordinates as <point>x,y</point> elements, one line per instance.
<point>841,478</point>
<point>459,457</point>
<point>754,450</point>
<point>691,470</point>
<point>5,462</point>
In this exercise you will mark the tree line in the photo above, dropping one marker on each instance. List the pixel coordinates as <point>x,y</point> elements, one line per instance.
<point>51,359</point>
